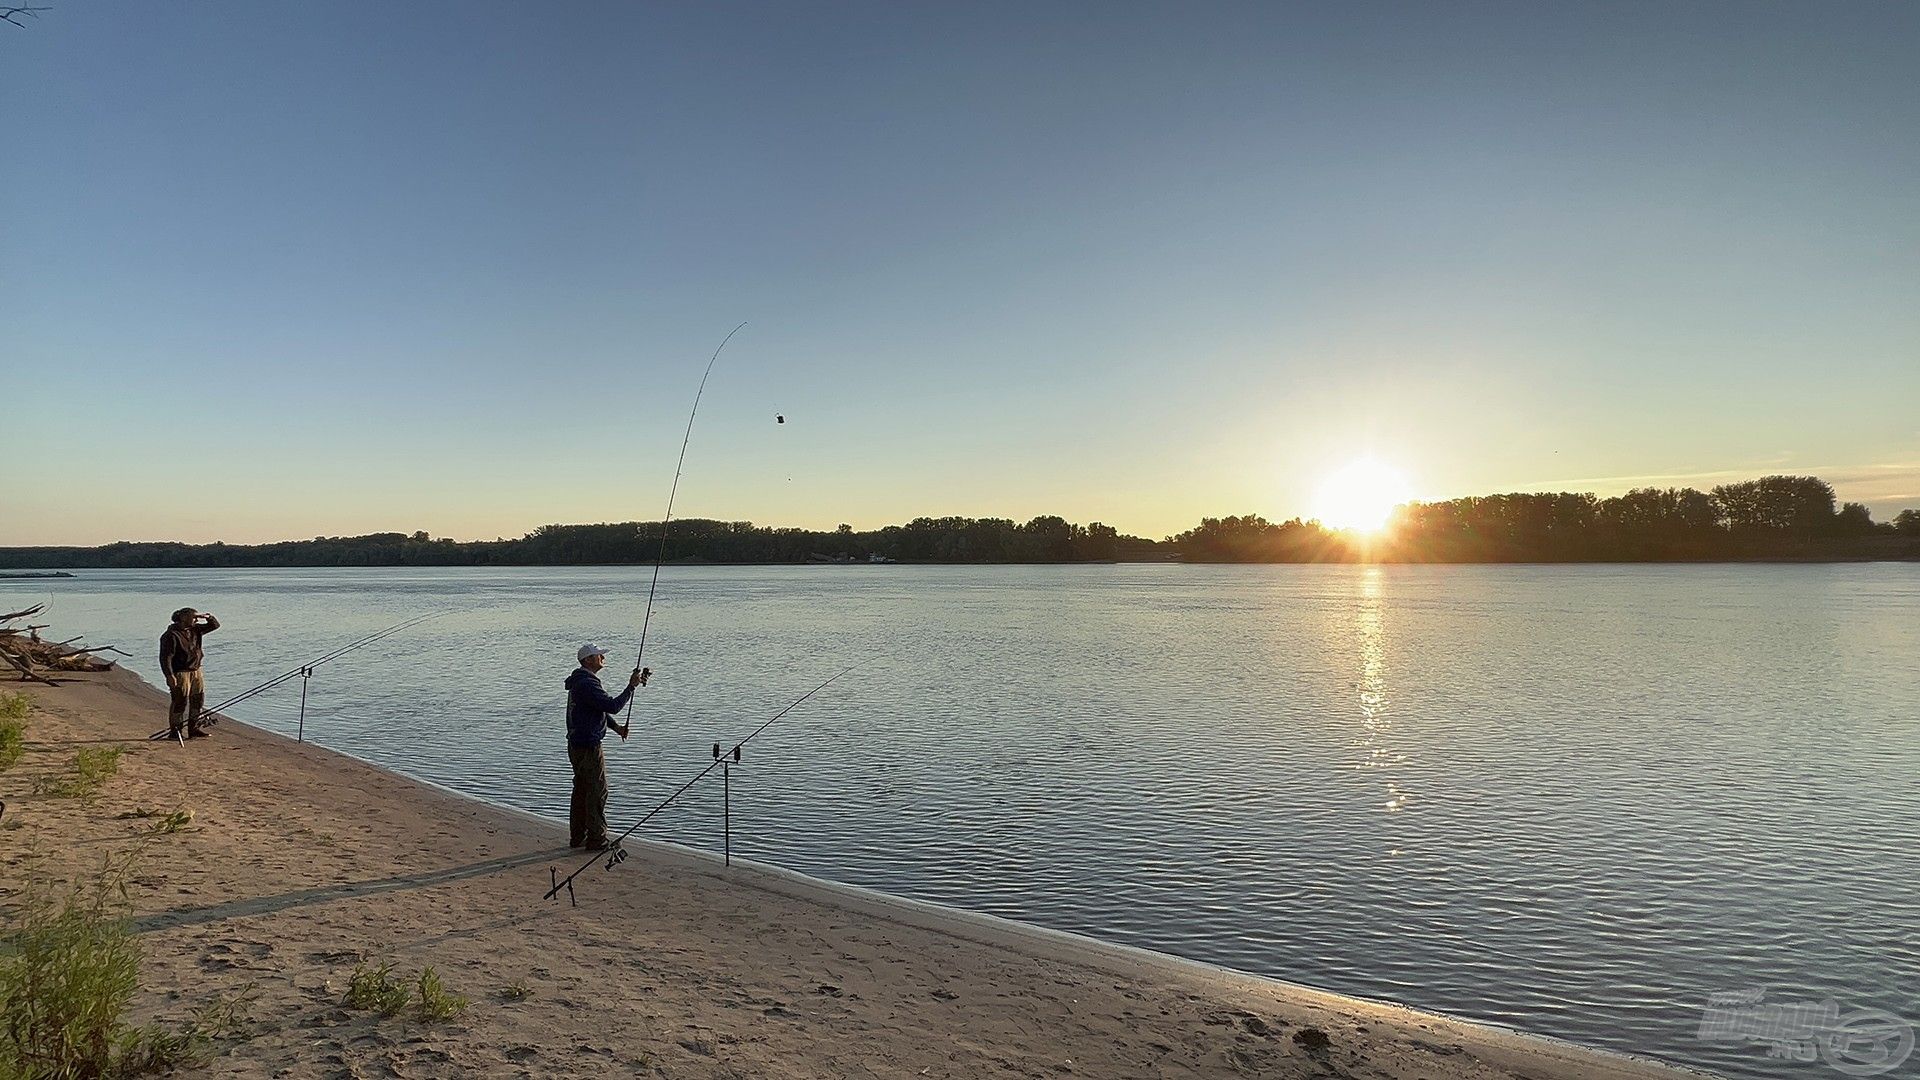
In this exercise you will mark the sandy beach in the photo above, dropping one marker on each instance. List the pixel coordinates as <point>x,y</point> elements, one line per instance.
<point>300,865</point>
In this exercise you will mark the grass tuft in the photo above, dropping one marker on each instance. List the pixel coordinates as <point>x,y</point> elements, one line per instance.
<point>13,728</point>
<point>435,1002</point>
<point>376,988</point>
<point>69,968</point>
<point>156,1049</point>
<point>90,769</point>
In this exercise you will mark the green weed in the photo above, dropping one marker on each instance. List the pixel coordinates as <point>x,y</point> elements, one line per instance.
<point>229,1016</point>
<point>376,988</point>
<point>13,728</point>
<point>156,1049</point>
<point>69,967</point>
<point>90,768</point>
<point>170,823</point>
<point>435,1002</point>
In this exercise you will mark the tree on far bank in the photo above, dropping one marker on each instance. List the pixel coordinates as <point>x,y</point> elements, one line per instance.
<point>1776,503</point>
<point>1853,519</point>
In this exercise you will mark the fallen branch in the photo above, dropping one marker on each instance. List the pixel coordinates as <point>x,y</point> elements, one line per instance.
<point>98,648</point>
<point>25,671</point>
<point>25,653</point>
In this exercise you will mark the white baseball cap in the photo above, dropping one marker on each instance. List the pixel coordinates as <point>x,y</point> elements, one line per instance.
<point>590,649</point>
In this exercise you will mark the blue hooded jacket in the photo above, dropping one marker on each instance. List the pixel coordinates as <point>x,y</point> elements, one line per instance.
<point>590,709</point>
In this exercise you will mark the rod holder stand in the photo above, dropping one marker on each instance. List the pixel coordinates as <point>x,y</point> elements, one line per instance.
<point>306,676</point>
<point>726,800</point>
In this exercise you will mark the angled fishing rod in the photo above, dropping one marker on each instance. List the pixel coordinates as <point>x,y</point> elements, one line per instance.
<point>672,492</point>
<point>613,854</point>
<point>304,669</point>
<point>332,654</point>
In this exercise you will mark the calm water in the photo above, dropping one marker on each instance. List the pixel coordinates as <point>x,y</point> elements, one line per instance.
<point>1574,800</point>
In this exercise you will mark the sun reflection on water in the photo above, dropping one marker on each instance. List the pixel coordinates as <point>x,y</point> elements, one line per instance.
<point>1374,704</point>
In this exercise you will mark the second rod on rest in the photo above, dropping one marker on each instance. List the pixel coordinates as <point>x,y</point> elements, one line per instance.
<point>306,676</point>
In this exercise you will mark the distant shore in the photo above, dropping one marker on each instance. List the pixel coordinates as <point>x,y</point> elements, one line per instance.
<point>1894,551</point>
<point>302,865</point>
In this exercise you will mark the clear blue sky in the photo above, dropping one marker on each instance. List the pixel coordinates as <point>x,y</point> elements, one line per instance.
<point>275,270</point>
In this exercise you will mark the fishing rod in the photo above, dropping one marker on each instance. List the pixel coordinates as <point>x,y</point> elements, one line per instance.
<point>325,657</point>
<point>614,854</point>
<point>672,492</point>
<point>306,669</point>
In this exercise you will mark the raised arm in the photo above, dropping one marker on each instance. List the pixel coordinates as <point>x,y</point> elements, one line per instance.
<point>599,699</point>
<point>210,625</point>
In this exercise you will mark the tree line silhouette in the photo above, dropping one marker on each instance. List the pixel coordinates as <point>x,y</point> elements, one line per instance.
<point>1774,517</point>
<point>1044,539</point>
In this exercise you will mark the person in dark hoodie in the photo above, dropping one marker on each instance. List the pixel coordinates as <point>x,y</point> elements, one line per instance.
<point>181,653</point>
<point>591,713</point>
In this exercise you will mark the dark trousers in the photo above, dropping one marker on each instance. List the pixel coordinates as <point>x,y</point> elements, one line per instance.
<point>587,822</point>
<point>189,695</point>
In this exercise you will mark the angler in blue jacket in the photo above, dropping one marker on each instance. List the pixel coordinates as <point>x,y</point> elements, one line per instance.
<point>591,713</point>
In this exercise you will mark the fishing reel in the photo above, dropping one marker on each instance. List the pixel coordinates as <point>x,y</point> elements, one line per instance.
<point>617,856</point>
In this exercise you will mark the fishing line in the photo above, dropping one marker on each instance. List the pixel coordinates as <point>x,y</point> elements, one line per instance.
<point>614,854</point>
<point>672,492</point>
<point>206,712</point>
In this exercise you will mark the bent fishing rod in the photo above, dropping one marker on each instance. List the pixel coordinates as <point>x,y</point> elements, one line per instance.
<point>208,713</point>
<point>613,855</point>
<point>672,492</point>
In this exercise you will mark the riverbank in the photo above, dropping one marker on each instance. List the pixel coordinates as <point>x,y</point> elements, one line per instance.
<point>301,865</point>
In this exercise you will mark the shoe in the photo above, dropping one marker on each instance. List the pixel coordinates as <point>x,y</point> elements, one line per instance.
<point>199,733</point>
<point>598,845</point>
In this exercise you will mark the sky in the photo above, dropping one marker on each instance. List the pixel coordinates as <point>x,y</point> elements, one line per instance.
<point>277,270</point>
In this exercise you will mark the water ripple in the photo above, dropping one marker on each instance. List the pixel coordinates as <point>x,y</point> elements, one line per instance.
<point>1574,800</point>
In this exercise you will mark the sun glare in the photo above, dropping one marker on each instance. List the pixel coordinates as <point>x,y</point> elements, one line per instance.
<point>1361,496</point>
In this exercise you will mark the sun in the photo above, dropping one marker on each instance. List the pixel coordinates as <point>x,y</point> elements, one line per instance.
<point>1361,496</point>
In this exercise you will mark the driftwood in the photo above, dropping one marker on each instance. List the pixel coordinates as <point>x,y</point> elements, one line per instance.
<point>84,660</point>
<point>25,671</point>
<point>24,654</point>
